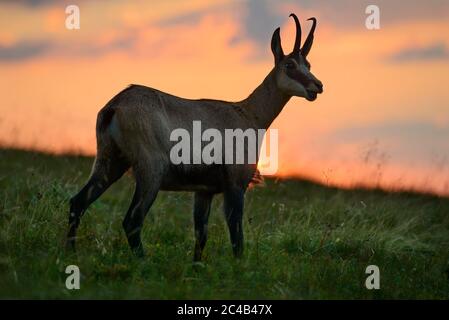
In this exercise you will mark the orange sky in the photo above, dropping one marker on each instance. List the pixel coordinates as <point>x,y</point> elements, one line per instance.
<point>383,119</point>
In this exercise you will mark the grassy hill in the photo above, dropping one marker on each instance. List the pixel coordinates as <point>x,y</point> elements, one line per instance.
<point>303,241</point>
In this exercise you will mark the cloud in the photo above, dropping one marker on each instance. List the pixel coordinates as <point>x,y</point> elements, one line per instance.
<point>255,22</point>
<point>194,17</point>
<point>257,19</point>
<point>23,50</point>
<point>352,12</point>
<point>406,141</point>
<point>260,18</point>
<point>189,18</point>
<point>437,51</point>
<point>36,3</point>
<point>123,41</point>
<point>26,50</point>
<point>403,130</point>
<point>42,3</point>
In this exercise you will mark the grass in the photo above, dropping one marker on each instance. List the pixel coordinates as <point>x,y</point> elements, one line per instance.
<point>302,241</point>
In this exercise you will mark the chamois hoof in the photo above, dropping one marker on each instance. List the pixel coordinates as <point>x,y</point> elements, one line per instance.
<point>139,252</point>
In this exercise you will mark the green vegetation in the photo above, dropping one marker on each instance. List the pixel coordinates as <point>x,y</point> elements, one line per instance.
<point>302,241</point>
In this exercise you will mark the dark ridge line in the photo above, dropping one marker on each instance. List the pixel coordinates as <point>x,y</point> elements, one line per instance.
<point>275,180</point>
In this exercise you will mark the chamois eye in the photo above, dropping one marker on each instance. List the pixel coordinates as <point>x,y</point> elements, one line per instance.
<point>289,65</point>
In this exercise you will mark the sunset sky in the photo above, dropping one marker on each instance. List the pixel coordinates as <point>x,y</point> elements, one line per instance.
<point>383,119</point>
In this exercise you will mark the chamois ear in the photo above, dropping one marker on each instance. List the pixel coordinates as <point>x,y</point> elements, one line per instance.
<point>276,46</point>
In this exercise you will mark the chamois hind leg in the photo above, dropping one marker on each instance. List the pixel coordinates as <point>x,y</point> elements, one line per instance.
<point>201,211</point>
<point>233,209</point>
<point>148,179</point>
<point>106,170</point>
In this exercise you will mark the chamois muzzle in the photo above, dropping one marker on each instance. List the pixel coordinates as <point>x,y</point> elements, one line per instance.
<point>313,89</point>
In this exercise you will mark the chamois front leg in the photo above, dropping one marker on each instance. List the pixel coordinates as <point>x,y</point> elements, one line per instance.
<point>233,209</point>
<point>201,211</point>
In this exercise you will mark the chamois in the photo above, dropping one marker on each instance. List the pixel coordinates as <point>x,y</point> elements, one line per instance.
<point>133,131</point>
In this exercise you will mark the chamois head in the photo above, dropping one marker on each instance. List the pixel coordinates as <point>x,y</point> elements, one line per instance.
<point>292,71</point>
